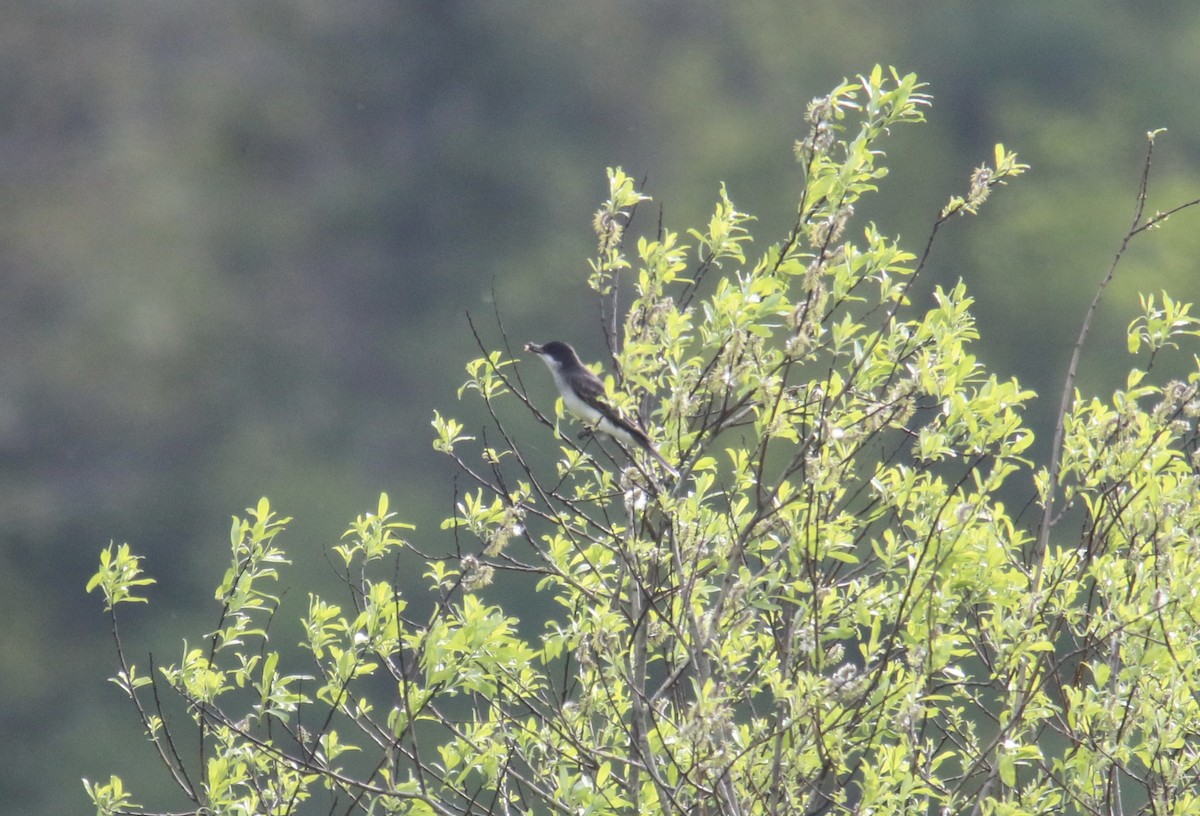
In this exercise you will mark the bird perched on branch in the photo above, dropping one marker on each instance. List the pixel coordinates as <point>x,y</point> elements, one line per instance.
<point>583,395</point>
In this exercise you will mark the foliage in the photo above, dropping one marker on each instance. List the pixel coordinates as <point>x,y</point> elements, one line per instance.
<point>832,610</point>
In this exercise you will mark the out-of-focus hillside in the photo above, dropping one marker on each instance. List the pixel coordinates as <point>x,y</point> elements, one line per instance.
<point>237,242</point>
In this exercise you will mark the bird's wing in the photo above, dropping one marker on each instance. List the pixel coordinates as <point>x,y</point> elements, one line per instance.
<point>591,390</point>
<point>629,425</point>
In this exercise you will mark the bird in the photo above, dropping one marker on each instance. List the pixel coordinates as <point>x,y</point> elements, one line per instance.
<point>583,395</point>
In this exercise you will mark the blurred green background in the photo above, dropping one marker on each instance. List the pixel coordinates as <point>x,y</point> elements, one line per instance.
<point>237,243</point>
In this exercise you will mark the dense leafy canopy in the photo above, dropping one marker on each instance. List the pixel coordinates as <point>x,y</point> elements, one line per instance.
<point>831,610</point>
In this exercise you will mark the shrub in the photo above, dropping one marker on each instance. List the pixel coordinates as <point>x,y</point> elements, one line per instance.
<point>830,610</point>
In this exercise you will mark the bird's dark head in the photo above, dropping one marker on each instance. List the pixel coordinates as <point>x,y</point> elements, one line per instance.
<point>554,351</point>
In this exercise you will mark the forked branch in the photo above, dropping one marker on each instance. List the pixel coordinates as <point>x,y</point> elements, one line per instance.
<point>1137,227</point>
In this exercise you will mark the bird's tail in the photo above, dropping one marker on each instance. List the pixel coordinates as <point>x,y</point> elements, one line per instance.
<point>643,441</point>
<point>658,457</point>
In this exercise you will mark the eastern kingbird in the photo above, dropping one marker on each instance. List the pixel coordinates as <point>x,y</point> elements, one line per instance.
<point>583,395</point>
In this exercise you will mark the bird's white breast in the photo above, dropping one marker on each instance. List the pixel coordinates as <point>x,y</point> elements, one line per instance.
<point>572,402</point>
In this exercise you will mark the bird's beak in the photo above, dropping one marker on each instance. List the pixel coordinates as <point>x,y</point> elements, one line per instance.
<point>533,348</point>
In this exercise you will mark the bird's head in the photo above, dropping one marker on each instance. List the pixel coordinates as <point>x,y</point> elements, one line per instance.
<point>554,353</point>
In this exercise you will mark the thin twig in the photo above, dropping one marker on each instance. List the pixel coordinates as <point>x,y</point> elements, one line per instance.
<point>1135,228</point>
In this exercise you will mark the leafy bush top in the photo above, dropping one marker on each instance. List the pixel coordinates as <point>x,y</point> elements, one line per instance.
<point>831,610</point>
